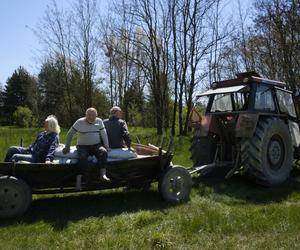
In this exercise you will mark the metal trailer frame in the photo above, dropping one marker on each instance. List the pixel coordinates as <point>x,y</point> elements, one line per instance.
<point>18,181</point>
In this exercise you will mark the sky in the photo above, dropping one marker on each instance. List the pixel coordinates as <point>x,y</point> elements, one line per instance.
<point>18,44</point>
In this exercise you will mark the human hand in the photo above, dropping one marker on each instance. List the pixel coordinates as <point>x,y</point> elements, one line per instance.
<point>131,149</point>
<point>66,150</point>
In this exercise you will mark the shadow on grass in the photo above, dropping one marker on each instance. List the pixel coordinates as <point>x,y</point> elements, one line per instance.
<point>60,210</point>
<point>244,190</point>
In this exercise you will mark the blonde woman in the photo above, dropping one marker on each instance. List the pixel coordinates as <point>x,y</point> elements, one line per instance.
<point>42,149</point>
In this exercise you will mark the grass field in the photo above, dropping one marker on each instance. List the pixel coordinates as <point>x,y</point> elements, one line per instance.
<point>234,214</point>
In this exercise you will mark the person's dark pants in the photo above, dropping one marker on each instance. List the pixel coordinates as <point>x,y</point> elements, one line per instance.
<point>18,153</point>
<point>84,151</point>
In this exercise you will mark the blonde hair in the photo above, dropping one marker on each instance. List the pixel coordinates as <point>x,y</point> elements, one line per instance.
<point>53,124</point>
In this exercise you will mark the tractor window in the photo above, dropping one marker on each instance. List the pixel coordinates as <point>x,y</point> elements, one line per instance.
<point>285,101</point>
<point>222,102</point>
<point>264,99</point>
<point>240,100</point>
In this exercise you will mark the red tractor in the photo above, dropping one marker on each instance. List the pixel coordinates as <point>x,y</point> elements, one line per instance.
<point>251,125</point>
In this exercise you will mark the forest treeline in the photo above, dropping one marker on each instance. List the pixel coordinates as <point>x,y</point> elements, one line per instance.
<point>151,57</point>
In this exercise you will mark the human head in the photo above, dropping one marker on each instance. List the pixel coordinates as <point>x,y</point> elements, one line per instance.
<point>116,111</point>
<point>91,114</point>
<point>51,124</point>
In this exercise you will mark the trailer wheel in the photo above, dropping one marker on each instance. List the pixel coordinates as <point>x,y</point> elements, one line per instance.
<point>15,196</point>
<point>267,156</point>
<point>175,184</point>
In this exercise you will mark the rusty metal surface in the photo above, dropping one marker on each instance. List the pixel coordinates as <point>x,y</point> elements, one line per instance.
<point>208,124</point>
<point>247,80</point>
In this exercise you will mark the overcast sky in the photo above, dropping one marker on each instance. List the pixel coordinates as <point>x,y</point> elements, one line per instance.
<point>18,44</point>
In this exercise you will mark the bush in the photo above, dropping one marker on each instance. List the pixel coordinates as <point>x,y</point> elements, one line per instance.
<point>22,117</point>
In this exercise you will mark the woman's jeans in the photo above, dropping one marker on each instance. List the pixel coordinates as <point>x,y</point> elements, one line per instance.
<point>15,153</point>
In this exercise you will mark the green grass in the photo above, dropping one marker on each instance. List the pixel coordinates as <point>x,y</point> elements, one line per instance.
<point>233,214</point>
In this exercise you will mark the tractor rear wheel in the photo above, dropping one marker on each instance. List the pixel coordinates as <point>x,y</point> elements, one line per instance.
<point>267,156</point>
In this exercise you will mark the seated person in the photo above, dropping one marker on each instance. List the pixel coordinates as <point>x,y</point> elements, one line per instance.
<point>89,129</point>
<point>42,149</point>
<point>117,130</point>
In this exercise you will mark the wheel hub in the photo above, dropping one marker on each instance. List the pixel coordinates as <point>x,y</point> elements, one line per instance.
<point>9,199</point>
<point>275,152</point>
<point>176,184</point>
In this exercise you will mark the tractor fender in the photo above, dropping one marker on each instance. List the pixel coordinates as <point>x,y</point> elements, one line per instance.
<point>246,125</point>
<point>295,133</point>
<point>208,125</point>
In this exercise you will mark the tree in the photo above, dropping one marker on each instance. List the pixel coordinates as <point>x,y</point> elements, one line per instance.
<point>270,46</point>
<point>277,27</point>
<point>20,90</point>
<point>162,44</point>
<point>2,107</point>
<point>70,38</point>
<point>191,45</point>
<point>55,96</point>
<point>85,19</point>
<point>53,93</point>
<point>122,57</point>
<point>174,12</point>
<point>153,39</point>
<point>23,117</point>
<point>101,103</point>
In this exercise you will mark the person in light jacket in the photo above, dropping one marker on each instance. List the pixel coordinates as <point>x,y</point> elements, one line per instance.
<point>90,131</point>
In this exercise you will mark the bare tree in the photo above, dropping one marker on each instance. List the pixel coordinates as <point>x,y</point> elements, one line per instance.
<point>172,38</point>
<point>191,46</point>
<point>71,36</point>
<point>54,32</point>
<point>85,43</point>
<point>144,28</point>
<point>174,14</point>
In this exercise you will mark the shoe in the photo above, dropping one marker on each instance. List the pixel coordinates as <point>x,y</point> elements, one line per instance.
<point>103,176</point>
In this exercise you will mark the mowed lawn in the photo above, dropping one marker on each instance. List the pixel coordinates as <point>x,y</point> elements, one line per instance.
<point>233,214</point>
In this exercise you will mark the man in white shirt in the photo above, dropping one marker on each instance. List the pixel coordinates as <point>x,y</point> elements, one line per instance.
<point>90,131</point>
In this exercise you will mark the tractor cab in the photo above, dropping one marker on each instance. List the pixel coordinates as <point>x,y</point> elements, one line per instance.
<point>255,94</point>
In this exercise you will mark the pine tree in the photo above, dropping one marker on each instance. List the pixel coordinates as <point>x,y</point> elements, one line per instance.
<point>20,90</point>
